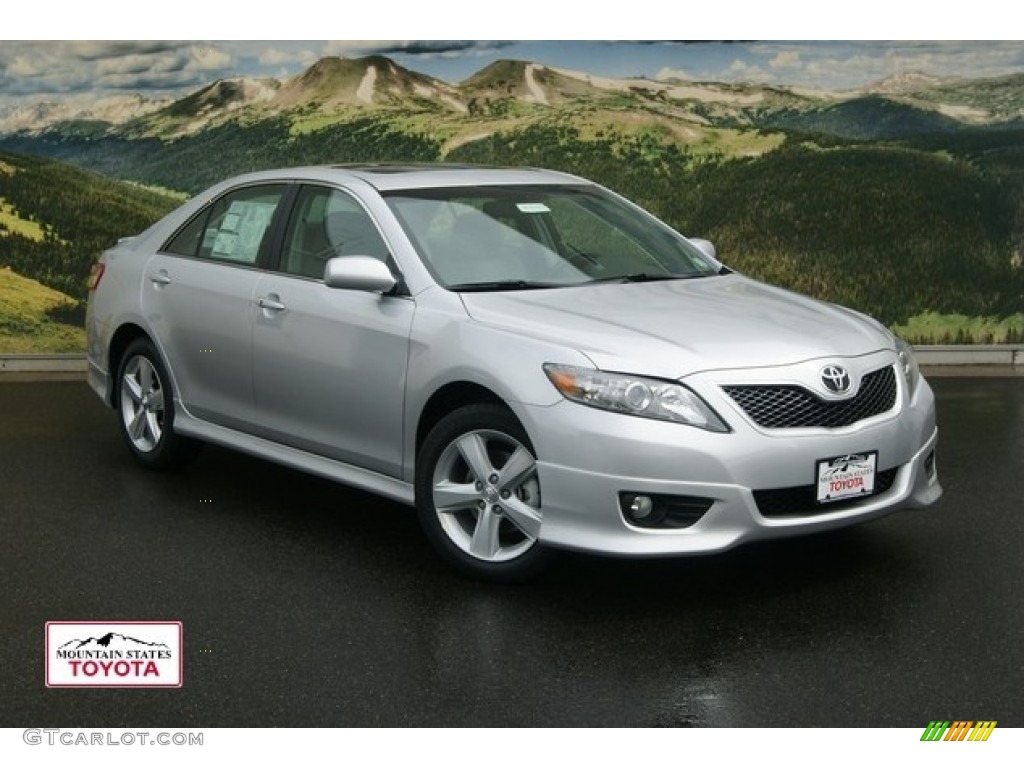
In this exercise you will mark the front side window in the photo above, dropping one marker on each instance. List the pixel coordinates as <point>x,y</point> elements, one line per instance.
<point>327,223</point>
<point>233,229</point>
<point>476,238</point>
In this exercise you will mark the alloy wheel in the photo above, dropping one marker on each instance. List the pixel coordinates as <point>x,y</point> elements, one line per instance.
<point>142,404</point>
<point>486,495</point>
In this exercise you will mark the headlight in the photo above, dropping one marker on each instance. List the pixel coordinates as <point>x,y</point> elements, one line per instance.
<point>908,364</point>
<point>635,395</point>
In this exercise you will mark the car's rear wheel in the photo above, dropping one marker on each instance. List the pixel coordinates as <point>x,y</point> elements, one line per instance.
<point>478,494</point>
<point>145,404</point>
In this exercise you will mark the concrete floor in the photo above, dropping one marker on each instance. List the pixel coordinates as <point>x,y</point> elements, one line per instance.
<point>308,604</point>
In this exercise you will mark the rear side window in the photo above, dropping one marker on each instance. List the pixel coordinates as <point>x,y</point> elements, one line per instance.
<point>233,229</point>
<point>186,241</point>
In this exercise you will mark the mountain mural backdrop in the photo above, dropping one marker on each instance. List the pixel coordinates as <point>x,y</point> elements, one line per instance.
<point>903,198</point>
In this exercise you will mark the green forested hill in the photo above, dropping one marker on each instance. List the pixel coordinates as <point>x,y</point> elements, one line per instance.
<point>889,230</point>
<point>70,216</point>
<point>929,221</point>
<point>192,163</point>
<point>871,117</point>
<point>31,317</point>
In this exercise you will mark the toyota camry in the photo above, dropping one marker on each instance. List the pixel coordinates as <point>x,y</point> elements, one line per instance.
<point>529,360</point>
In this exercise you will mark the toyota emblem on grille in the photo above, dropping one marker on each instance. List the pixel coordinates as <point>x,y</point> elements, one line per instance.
<point>836,379</point>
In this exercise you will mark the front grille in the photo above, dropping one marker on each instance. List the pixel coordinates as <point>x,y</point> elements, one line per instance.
<point>785,407</point>
<point>800,499</point>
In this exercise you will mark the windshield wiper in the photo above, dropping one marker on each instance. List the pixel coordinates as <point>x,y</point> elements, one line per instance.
<point>641,277</point>
<point>502,285</point>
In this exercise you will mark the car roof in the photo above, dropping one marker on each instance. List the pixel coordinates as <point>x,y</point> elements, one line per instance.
<point>395,176</point>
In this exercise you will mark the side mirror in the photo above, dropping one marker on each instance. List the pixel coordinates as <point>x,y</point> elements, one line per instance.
<point>358,273</point>
<point>708,249</point>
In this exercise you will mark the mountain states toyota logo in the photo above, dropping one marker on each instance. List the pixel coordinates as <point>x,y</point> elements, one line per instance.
<point>125,654</point>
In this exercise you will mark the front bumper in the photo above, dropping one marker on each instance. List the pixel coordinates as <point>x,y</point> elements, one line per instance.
<point>587,457</point>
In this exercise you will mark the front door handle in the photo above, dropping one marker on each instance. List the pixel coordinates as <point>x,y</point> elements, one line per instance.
<point>161,278</point>
<point>271,303</point>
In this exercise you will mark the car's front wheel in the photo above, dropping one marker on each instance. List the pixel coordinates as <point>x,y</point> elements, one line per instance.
<point>478,494</point>
<point>145,404</point>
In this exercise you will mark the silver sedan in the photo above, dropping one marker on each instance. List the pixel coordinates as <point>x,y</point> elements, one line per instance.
<point>530,360</point>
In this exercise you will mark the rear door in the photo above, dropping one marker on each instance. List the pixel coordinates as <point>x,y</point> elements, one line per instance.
<point>329,365</point>
<point>199,295</point>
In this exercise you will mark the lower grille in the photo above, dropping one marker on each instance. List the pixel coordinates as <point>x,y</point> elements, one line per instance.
<point>800,500</point>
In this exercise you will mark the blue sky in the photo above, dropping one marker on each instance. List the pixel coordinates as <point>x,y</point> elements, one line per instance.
<point>36,71</point>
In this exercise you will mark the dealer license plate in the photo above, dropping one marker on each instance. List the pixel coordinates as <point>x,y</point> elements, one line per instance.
<point>846,477</point>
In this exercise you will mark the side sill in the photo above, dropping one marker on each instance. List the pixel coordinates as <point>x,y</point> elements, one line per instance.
<point>364,479</point>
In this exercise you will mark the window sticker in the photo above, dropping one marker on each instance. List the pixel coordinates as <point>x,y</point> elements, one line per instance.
<point>241,232</point>
<point>224,245</point>
<point>533,208</point>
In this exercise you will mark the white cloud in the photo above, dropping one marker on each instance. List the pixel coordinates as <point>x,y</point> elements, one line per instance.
<point>60,69</point>
<point>744,72</point>
<point>668,73</point>
<point>22,66</point>
<point>854,64</point>
<point>92,50</point>
<point>273,57</point>
<point>142,63</point>
<point>208,58</point>
<point>788,59</point>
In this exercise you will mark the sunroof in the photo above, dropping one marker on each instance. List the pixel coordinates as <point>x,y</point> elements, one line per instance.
<point>404,167</point>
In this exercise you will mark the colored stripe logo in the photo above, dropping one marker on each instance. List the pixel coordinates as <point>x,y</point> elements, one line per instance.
<point>958,730</point>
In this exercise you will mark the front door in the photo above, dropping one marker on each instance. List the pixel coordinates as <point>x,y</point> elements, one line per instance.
<point>329,365</point>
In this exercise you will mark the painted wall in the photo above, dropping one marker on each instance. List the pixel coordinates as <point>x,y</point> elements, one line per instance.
<point>889,178</point>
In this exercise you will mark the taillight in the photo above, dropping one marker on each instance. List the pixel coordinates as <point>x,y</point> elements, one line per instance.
<point>95,275</point>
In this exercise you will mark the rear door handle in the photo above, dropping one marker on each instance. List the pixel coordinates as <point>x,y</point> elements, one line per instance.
<point>266,302</point>
<point>161,278</point>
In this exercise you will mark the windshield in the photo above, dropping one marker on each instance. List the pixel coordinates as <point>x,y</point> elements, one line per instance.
<point>539,236</point>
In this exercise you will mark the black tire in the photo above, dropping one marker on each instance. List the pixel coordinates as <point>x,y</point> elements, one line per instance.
<point>144,401</point>
<point>505,539</point>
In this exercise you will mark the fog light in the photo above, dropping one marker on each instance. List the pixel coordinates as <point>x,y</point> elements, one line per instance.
<point>659,510</point>
<point>640,508</point>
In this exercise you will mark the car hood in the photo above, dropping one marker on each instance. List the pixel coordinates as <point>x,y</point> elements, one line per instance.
<point>676,328</point>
